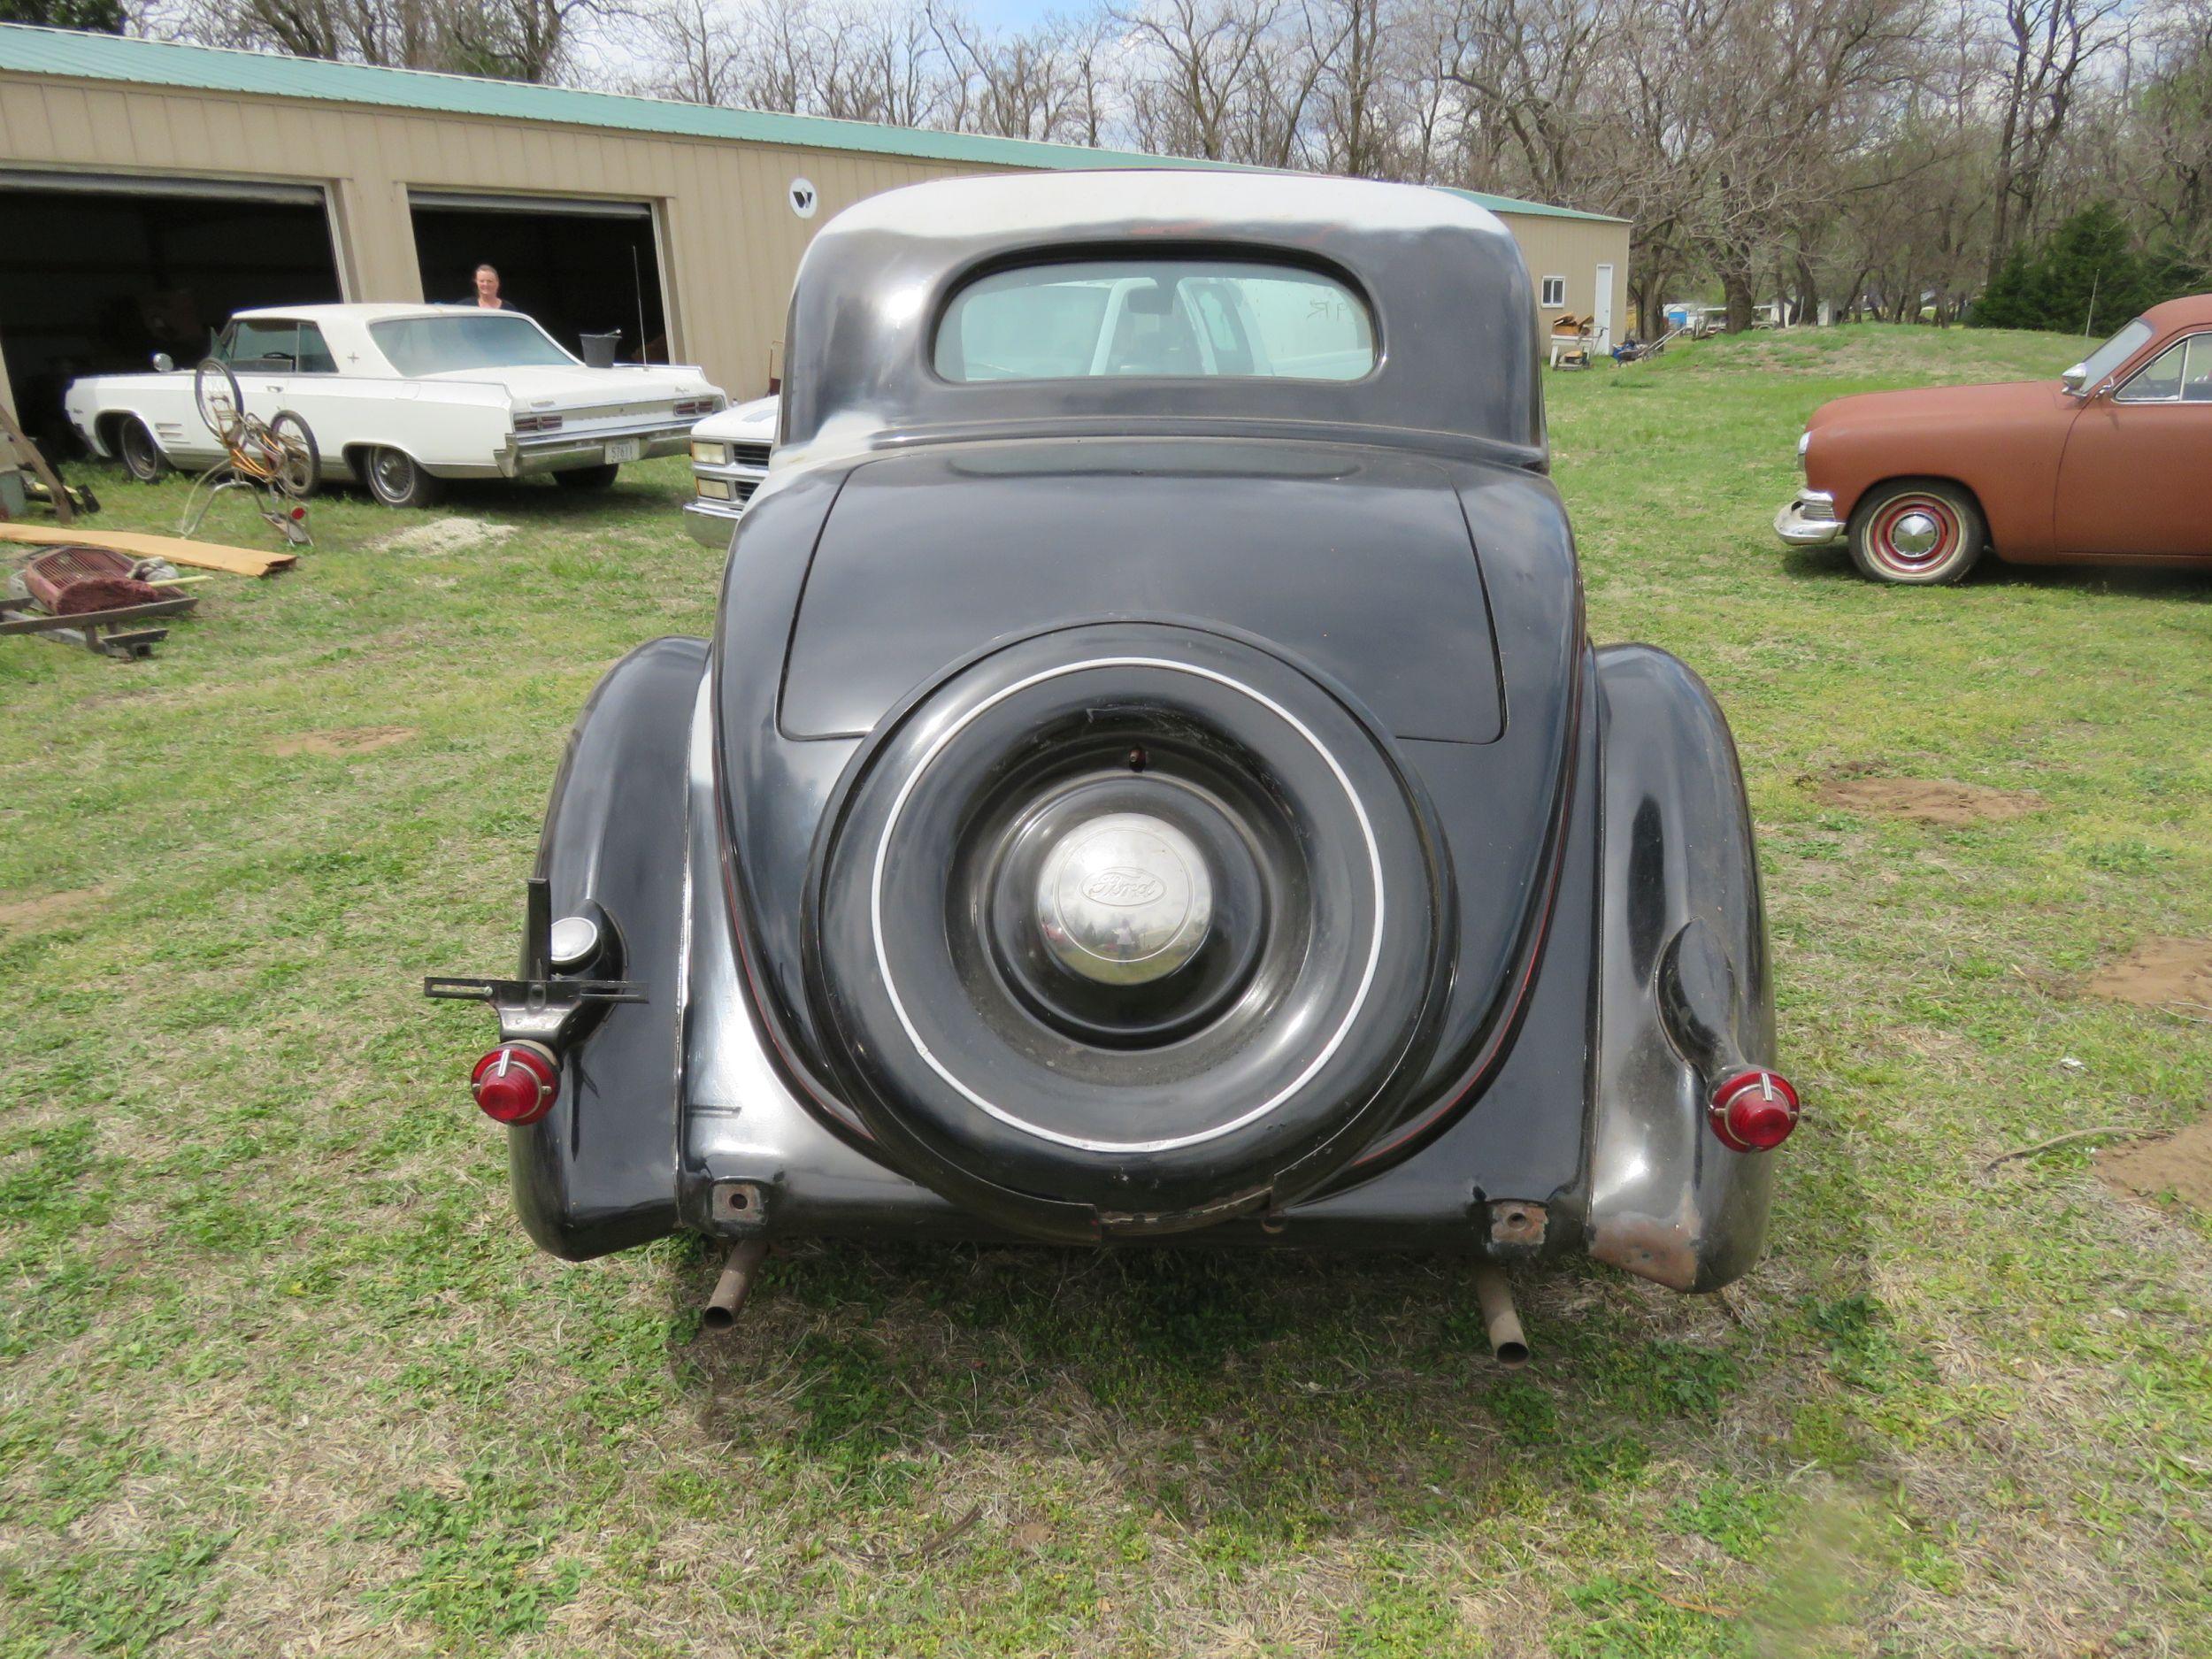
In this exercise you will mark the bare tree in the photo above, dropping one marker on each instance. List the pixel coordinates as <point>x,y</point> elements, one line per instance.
<point>1196,69</point>
<point>1862,152</point>
<point>2046,47</point>
<point>698,52</point>
<point>1040,85</point>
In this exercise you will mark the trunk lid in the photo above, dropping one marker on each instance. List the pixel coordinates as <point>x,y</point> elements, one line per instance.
<point>1358,563</point>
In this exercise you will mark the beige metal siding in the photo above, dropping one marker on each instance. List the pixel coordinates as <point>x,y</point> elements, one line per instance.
<point>730,242</point>
<point>1574,249</point>
<point>729,239</point>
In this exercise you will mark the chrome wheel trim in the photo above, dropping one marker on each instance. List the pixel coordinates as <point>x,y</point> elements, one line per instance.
<point>1914,534</point>
<point>1124,899</point>
<point>1012,1120</point>
<point>142,456</point>
<point>392,473</point>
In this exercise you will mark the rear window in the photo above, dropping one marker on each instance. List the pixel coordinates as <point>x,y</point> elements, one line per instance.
<point>482,339</point>
<point>1177,319</point>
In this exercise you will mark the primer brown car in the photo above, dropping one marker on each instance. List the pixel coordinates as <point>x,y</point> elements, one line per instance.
<point>2094,466</point>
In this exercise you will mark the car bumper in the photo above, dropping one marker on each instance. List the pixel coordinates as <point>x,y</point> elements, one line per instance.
<point>710,522</point>
<point>709,517</point>
<point>1809,520</point>
<point>558,451</point>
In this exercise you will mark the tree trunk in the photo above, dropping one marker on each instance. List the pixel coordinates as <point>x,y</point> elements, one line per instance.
<point>1808,291</point>
<point>1735,288</point>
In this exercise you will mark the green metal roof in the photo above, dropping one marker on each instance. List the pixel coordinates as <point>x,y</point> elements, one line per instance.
<point>26,50</point>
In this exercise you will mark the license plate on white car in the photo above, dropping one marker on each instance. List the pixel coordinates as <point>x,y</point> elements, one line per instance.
<point>626,448</point>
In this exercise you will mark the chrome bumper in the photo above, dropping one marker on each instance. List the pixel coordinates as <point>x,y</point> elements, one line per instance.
<point>711,522</point>
<point>1796,524</point>
<point>559,451</point>
<point>710,518</point>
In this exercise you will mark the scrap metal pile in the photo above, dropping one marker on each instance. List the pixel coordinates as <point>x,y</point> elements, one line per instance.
<point>96,597</point>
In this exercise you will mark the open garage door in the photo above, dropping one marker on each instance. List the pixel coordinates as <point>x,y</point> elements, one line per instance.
<point>580,266</point>
<point>99,271</point>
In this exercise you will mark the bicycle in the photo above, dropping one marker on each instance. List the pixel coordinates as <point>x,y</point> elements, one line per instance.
<point>277,459</point>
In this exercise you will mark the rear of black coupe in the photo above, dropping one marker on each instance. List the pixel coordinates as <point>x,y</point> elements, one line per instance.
<point>1151,780</point>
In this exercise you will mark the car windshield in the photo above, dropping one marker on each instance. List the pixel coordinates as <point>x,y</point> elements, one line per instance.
<point>2113,353</point>
<point>1174,318</point>
<point>437,345</point>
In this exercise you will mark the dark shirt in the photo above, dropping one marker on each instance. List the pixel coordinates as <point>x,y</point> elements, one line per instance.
<point>471,304</point>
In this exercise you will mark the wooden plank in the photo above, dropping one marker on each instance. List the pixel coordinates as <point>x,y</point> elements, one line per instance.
<point>20,621</point>
<point>207,556</point>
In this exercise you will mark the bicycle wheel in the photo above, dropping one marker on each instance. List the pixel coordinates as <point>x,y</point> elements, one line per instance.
<point>301,469</point>
<point>221,405</point>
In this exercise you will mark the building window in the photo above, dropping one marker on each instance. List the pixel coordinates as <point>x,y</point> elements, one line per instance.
<point>1554,290</point>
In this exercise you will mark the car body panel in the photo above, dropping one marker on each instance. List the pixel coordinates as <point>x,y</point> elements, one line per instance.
<point>1039,535</point>
<point>2120,484</point>
<point>2002,441</point>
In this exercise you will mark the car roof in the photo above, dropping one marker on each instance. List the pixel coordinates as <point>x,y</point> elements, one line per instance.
<point>1443,279</point>
<point>2188,311</point>
<point>1106,202</point>
<point>355,313</point>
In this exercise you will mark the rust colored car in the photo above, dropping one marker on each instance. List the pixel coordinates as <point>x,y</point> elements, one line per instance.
<point>2090,466</point>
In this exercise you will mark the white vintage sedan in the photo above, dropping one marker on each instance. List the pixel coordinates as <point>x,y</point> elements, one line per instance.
<point>402,397</point>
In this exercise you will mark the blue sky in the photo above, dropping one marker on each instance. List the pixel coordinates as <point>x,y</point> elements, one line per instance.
<point>1013,14</point>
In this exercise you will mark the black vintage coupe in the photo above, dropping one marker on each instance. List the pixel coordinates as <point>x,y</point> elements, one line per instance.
<point>1151,780</point>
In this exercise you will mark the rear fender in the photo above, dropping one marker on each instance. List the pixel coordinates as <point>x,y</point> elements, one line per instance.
<point>599,1171</point>
<point>1684,986</point>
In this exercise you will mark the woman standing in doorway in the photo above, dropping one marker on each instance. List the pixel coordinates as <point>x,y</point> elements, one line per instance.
<point>487,290</point>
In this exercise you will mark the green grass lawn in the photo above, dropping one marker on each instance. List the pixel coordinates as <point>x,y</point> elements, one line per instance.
<point>278,1373</point>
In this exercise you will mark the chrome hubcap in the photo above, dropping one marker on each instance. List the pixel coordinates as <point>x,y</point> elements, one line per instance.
<point>1915,535</point>
<point>1124,899</point>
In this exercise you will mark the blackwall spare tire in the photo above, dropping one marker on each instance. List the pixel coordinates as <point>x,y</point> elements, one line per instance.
<point>1136,923</point>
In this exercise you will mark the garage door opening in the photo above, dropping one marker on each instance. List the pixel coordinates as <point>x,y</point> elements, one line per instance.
<point>98,273</point>
<point>579,268</point>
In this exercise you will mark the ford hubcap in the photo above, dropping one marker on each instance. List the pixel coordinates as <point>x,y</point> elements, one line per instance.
<point>1124,899</point>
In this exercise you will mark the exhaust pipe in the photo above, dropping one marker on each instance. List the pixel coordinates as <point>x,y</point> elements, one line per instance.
<point>1507,1346</point>
<point>735,1284</point>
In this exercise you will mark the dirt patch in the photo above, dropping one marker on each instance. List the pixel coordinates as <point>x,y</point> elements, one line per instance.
<point>44,907</point>
<point>2159,973</point>
<point>354,739</point>
<point>2180,1164</point>
<point>1925,800</point>
<point>445,536</point>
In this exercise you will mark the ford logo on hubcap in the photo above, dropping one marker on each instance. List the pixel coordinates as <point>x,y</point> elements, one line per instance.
<point>1124,888</point>
<point>1124,899</point>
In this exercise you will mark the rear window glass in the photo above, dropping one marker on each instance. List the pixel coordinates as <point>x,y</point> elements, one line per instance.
<point>1178,319</point>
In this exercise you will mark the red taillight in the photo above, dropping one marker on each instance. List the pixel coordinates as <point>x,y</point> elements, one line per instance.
<point>298,513</point>
<point>515,1083</point>
<point>1754,1111</point>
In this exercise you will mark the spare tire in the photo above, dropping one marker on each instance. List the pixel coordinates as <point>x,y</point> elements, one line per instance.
<point>1126,927</point>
